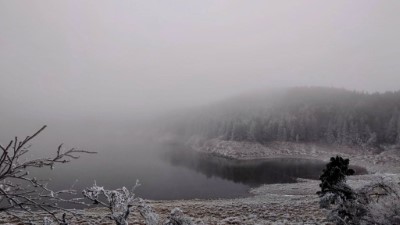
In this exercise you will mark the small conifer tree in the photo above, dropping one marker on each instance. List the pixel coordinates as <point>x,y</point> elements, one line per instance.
<point>335,173</point>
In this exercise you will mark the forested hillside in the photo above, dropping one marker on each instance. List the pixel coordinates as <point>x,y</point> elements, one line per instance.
<point>306,114</point>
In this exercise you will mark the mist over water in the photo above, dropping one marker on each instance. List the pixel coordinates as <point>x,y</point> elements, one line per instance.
<point>165,171</point>
<point>125,155</point>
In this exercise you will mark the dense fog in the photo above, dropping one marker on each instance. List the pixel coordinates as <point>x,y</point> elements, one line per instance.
<point>226,111</point>
<point>131,59</point>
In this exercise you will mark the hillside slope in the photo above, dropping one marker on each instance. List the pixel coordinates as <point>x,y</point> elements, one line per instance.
<point>304,114</point>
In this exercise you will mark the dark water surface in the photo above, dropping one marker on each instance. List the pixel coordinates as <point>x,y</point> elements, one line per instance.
<point>250,172</point>
<point>165,171</point>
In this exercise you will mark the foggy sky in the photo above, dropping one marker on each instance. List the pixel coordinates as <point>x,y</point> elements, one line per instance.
<point>132,57</point>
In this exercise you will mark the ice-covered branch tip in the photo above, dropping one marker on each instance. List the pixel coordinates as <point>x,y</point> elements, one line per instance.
<point>118,201</point>
<point>20,191</point>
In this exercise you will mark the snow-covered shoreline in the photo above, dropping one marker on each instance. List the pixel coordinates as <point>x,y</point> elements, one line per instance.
<point>294,203</point>
<point>371,159</point>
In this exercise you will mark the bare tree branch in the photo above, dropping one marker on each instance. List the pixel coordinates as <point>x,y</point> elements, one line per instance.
<point>19,191</point>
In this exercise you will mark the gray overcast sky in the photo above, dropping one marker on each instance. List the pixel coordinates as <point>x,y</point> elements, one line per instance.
<point>132,56</point>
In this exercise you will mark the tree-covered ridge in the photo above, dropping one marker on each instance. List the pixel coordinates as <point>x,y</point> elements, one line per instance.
<point>312,114</point>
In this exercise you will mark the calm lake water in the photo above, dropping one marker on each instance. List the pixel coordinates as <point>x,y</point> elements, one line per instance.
<point>165,171</point>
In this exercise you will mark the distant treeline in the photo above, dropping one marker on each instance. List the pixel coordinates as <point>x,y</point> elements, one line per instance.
<point>312,114</point>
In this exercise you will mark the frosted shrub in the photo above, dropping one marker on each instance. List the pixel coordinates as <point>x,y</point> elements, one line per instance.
<point>177,217</point>
<point>118,201</point>
<point>376,203</point>
<point>145,210</point>
<point>382,202</point>
<point>343,210</point>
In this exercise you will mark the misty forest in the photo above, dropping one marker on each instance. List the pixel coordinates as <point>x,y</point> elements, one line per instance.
<point>199,112</point>
<point>325,115</point>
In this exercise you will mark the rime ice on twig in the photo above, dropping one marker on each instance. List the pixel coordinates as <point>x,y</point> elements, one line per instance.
<point>119,201</point>
<point>19,191</point>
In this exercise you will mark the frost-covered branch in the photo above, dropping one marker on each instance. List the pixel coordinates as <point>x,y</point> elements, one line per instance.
<point>19,191</point>
<point>119,201</point>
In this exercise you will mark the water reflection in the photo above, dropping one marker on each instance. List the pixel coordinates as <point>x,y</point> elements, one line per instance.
<point>251,172</point>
